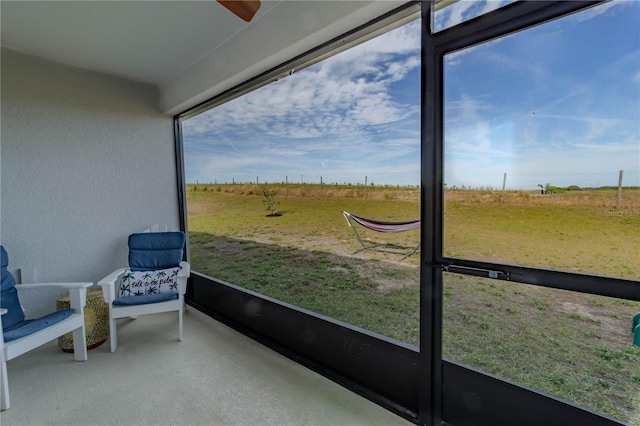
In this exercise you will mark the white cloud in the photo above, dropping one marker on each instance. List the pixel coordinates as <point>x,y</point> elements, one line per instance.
<point>630,148</point>
<point>337,96</point>
<point>597,10</point>
<point>537,118</point>
<point>464,10</point>
<point>465,128</point>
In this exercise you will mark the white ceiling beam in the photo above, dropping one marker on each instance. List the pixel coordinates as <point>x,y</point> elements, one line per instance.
<point>287,30</point>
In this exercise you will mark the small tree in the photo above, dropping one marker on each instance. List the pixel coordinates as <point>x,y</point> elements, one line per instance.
<point>544,189</point>
<point>547,188</point>
<point>269,199</point>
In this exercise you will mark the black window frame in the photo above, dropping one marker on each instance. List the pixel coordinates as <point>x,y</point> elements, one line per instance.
<point>511,18</point>
<point>417,384</point>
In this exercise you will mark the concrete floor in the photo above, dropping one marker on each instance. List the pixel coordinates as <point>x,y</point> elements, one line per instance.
<point>215,376</point>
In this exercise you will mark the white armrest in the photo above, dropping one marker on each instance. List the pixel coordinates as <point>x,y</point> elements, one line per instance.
<point>183,276</point>
<point>77,292</point>
<point>111,278</point>
<point>108,285</point>
<point>185,269</point>
<point>65,285</point>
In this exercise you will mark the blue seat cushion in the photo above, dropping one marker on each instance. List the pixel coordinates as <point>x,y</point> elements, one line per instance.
<point>144,299</point>
<point>9,295</point>
<point>28,327</point>
<point>155,250</point>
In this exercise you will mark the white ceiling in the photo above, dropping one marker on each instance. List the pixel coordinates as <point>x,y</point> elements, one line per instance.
<point>146,41</point>
<point>189,49</point>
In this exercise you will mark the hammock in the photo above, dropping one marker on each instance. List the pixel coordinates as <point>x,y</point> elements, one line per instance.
<point>386,227</point>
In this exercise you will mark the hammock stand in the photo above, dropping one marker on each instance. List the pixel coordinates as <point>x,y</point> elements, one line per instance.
<point>386,227</point>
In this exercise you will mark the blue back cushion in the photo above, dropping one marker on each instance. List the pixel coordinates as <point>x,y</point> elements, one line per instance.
<point>9,295</point>
<point>155,250</point>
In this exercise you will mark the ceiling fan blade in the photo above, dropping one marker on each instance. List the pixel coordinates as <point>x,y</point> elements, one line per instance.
<point>243,9</point>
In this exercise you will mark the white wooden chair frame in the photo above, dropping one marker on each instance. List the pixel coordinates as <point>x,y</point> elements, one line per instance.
<point>74,323</point>
<point>111,282</point>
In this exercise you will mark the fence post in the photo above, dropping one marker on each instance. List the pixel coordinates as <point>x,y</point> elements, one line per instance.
<point>619,197</point>
<point>504,183</point>
<point>365,187</point>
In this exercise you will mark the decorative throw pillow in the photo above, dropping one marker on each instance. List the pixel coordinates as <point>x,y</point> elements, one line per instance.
<point>140,283</point>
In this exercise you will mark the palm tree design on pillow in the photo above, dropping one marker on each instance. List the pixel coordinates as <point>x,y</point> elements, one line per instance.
<point>125,284</point>
<point>159,276</point>
<point>173,287</point>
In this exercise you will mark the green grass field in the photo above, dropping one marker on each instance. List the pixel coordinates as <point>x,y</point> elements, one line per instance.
<point>574,346</point>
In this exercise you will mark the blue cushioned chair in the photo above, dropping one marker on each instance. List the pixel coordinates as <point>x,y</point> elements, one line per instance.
<point>20,335</point>
<point>150,255</point>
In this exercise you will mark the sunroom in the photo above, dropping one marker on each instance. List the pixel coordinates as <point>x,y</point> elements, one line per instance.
<point>510,129</point>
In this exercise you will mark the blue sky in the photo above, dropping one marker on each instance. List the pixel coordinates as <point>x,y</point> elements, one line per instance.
<point>556,104</point>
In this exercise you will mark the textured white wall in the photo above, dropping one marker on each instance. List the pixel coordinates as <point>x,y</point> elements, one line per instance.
<point>86,159</point>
